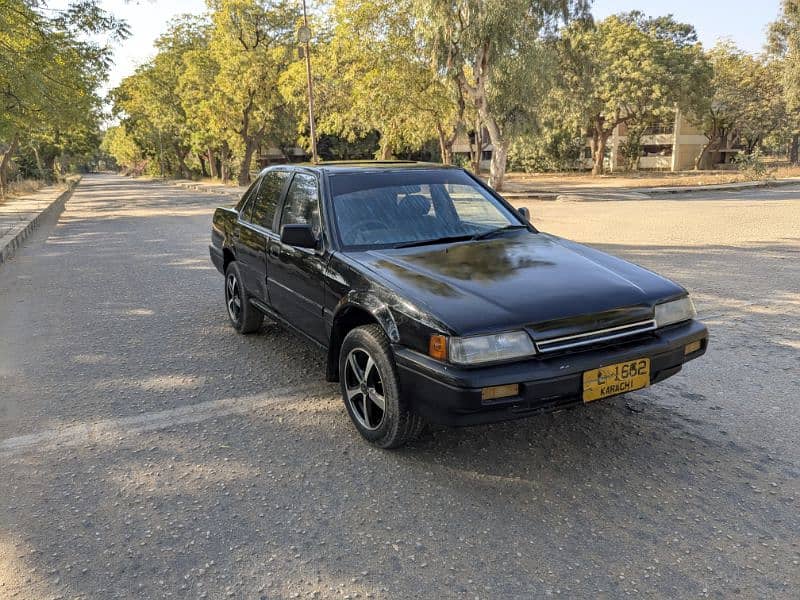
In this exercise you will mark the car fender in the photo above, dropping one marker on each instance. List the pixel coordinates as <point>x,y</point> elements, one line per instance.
<point>369,302</point>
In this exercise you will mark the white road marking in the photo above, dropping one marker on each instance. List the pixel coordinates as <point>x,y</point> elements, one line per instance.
<point>110,430</point>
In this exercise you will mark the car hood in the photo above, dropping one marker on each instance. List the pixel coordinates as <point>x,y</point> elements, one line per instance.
<point>548,284</point>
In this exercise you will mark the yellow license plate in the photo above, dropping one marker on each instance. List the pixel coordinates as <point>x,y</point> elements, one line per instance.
<point>616,379</point>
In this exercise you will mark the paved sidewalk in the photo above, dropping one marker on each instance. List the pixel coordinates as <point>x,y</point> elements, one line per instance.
<point>20,216</point>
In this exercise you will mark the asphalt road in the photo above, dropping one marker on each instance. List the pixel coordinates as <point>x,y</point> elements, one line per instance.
<point>146,450</point>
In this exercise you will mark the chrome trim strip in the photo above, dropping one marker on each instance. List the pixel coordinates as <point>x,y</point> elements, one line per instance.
<point>593,337</point>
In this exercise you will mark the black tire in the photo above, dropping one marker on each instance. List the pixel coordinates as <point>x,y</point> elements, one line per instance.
<point>392,426</point>
<point>244,317</point>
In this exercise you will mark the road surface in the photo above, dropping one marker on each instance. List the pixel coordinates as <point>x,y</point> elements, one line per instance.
<point>148,451</point>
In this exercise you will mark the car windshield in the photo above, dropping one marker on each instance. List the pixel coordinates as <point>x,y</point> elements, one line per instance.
<point>414,207</point>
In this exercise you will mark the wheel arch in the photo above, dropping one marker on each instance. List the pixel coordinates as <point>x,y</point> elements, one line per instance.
<point>355,311</point>
<point>227,258</point>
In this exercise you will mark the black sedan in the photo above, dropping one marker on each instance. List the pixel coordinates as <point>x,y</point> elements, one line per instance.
<point>435,300</point>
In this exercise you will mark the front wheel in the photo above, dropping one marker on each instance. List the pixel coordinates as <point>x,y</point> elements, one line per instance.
<point>371,391</point>
<point>244,317</point>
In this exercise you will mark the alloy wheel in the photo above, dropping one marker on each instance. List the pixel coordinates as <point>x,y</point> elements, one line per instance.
<point>233,297</point>
<point>364,389</point>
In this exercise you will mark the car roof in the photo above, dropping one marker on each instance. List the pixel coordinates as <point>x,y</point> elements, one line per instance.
<point>361,166</point>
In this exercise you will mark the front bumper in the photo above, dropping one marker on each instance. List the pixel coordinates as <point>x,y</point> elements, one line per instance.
<point>451,395</point>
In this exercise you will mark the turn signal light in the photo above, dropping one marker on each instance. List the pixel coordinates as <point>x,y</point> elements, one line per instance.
<point>500,391</point>
<point>692,347</point>
<point>437,347</point>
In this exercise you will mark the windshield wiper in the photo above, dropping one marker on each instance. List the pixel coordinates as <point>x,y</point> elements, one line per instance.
<point>491,232</point>
<point>439,240</point>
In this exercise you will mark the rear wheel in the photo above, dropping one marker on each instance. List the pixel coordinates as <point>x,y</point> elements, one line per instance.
<point>371,392</point>
<point>244,317</point>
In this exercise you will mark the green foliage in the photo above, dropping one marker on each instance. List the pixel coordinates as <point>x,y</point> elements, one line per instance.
<point>493,50</point>
<point>124,149</point>
<point>148,102</point>
<point>551,150</point>
<point>751,165</point>
<point>630,68</point>
<point>48,76</point>
<point>784,42</point>
<point>398,77</point>
<point>373,73</point>
<point>746,100</point>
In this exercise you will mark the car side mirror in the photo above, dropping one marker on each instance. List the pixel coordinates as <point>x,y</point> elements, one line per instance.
<point>299,235</point>
<point>525,213</point>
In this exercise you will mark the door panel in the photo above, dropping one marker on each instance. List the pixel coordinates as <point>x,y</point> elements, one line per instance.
<point>255,232</point>
<point>251,252</point>
<point>295,275</point>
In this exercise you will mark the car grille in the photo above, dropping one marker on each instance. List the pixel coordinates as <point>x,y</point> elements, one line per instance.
<point>598,336</point>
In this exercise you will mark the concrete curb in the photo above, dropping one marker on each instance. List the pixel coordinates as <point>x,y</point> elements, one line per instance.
<point>601,197</point>
<point>719,187</point>
<point>220,190</point>
<point>19,233</point>
<point>634,193</point>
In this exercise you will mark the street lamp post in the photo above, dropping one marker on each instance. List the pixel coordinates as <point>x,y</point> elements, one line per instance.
<point>304,37</point>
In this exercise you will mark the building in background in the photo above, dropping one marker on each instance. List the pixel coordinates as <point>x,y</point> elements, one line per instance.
<point>672,145</point>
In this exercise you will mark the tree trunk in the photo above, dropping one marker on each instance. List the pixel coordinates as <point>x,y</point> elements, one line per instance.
<point>497,169</point>
<point>244,166</point>
<point>39,164</point>
<point>445,145</point>
<point>794,146</point>
<point>4,165</point>
<point>442,149</point>
<point>476,149</point>
<point>599,154</point>
<point>182,166</point>
<point>212,164</point>
<point>385,152</point>
<point>224,156</point>
<point>702,156</point>
<point>202,161</point>
<point>481,74</point>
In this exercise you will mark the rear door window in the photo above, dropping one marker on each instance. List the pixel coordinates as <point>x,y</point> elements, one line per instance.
<point>267,198</point>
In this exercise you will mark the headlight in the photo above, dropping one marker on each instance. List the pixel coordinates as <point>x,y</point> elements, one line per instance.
<point>675,311</point>
<point>489,348</point>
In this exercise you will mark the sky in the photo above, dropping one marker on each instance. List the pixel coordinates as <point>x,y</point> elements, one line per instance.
<point>743,21</point>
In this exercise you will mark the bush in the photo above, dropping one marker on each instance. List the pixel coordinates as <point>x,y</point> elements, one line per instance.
<point>546,152</point>
<point>751,166</point>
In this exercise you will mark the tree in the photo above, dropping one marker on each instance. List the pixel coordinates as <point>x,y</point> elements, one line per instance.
<point>251,45</point>
<point>745,104</point>
<point>374,74</point>
<point>149,103</point>
<point>118,144</point>
<point>631,69</point>
<point>784,44</point>
<point>480,40</point>
<point>49,73</point>
<point>212,90</point>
